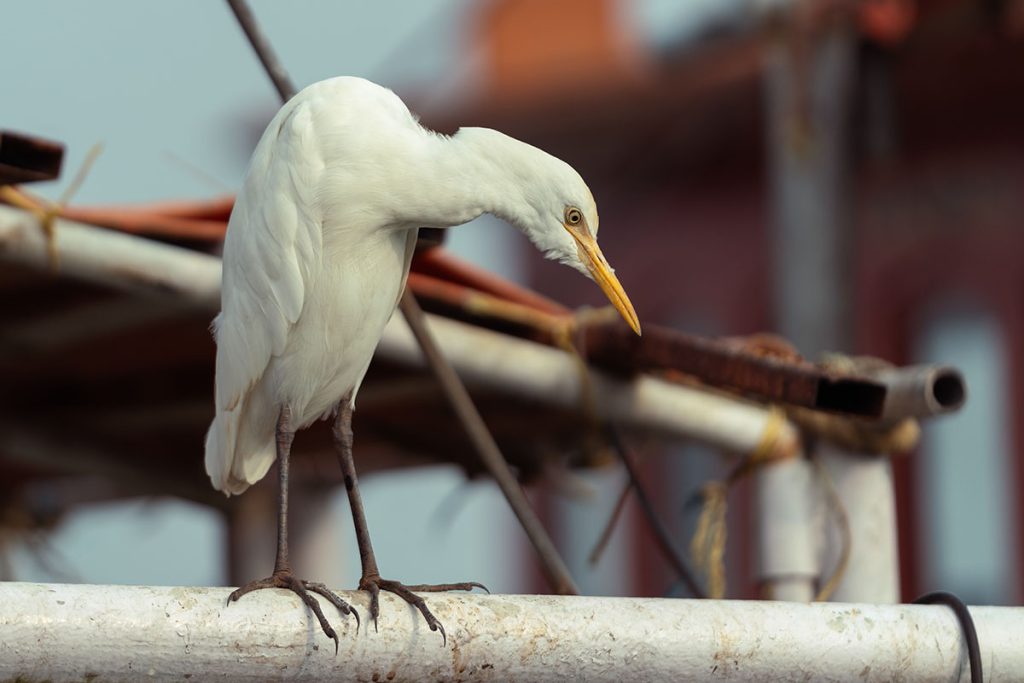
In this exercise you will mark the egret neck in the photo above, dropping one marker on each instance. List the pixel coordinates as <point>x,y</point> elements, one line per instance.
<point>479,170</point>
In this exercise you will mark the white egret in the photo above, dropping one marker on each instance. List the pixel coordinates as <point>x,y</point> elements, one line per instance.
<point>316,256</point>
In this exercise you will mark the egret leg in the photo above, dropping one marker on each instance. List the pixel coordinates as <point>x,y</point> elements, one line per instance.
<point>371,581</point>
<point>283,576</point>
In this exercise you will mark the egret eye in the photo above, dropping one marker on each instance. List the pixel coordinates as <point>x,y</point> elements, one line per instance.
<point>573,216</point>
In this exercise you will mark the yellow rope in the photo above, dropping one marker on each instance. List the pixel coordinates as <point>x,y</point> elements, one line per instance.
<point>709,539</point>
<point>859,435</point>
<point>836,506</point>
<point>708,543</point>
<point>767,448</point>
<point>46,211</point>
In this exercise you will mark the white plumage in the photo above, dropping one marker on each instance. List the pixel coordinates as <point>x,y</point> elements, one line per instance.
<point>320,240</point>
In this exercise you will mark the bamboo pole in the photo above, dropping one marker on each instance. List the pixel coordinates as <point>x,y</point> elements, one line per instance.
<point>130,633</point>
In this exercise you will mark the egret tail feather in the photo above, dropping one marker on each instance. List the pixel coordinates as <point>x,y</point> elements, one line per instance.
<point>232,465</point>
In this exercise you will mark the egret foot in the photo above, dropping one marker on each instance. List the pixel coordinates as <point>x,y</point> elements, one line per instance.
<point>371,581</point>
<point>285,579</point>
<point>374,584</point>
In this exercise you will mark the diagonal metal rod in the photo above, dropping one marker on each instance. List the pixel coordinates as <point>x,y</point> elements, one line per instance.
<point>661,534</point>
<point>553,566</point>
<point>271,64</point>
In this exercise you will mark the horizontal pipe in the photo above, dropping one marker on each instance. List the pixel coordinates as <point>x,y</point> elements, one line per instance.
<point>113,259</point>
<point>129,262</point>
<point>61,633</point>
<point>132,263</point>
<point>922,391</point>
<point>550,376</point>
<point>547,375</point>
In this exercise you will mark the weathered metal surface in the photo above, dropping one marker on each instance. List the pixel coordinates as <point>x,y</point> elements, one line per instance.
<point>765,371</point>
<point>730,364</point>
<point>26,159</point>
<point>762,368</point>
<point>131,633</point>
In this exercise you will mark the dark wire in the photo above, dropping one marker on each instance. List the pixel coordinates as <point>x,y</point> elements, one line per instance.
<point>963,615</point>
<point>664,539</point>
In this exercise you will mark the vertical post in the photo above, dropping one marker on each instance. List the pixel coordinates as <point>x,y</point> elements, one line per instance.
<point>864,485</point>
<point>808,86</point>
<point>808,81</point>
<point>787,530</point>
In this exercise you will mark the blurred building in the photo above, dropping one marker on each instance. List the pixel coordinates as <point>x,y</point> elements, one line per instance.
<point>681,142</point>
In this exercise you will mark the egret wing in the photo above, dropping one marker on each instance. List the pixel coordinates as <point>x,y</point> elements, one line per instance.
<point>274,238</point>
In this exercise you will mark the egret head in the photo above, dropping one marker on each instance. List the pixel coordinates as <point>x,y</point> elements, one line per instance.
<point>563,224</point>
<point>541,195</point>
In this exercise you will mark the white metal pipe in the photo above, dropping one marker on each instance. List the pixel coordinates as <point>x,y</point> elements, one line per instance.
<point>865,486</point>
<point>542,373</point>
<point>130,633</point>
<point>788,529</point>
<point>480,356</point>
<point>922,391</point>
<point>112,258</point>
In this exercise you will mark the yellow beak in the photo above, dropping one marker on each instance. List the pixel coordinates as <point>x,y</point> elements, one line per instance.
<point>592,257</point>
